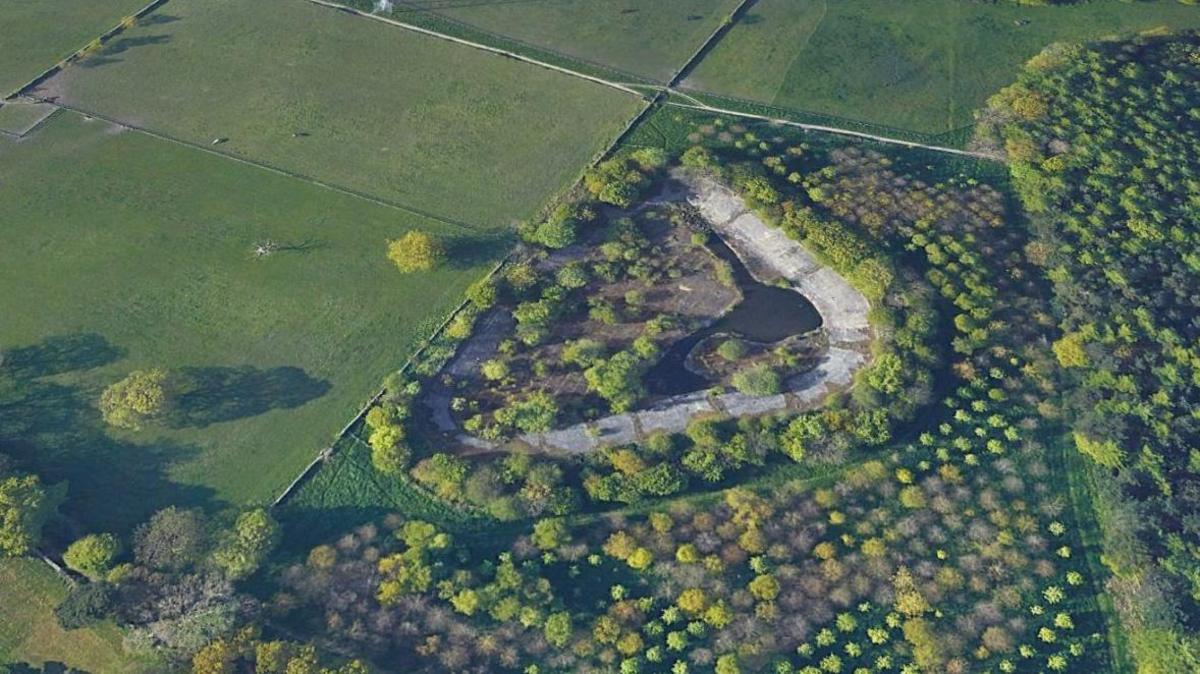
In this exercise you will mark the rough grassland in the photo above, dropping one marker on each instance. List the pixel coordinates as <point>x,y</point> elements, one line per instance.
<point>29,633</point>
<point>122,251</point>
<point>920,65</point>
<point>36,34</point>
<point>649,38</point>
<point>441,127</point>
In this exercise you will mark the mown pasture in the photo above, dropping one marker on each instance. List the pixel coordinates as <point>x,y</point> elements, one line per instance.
<point>37,34</point>
<point>919,65</point>
<point>123,251</point>
<point>29,632</point>
<point>442,128</point>
<point>648,38</point>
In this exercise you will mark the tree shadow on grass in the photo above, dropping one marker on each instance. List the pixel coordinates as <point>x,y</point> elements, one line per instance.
<point>158,19</point>
<point>305,246</point>
<point>54,429</point>
<point>464,252</point>
<point>216,394</point>
<point>49,667</point>
<point>120,46</point>
<point>58,354</point>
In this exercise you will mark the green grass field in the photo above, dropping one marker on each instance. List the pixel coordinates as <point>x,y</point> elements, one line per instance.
<point>919,65</point>
<point>648,38</point>
<point>124,251</point>
<point>440,127</point>
<point>29,632</point>
<point>17,118</point>
<point>36,34</point>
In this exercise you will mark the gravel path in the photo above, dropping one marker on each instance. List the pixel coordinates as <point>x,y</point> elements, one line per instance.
<point>770,255</point>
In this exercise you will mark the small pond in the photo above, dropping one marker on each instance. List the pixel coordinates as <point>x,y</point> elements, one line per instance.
<point>766,314</point>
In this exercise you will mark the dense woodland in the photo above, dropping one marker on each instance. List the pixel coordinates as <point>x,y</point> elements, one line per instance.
<point>1102,141</point>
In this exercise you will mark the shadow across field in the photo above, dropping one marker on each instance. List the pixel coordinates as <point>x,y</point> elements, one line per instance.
<point>215,394</point>
<point>157,19</point>
<point>59,354</point>
<point>120,46</point>
<point>50,667</point>
<point>465,252</point>
<point>53,428</point>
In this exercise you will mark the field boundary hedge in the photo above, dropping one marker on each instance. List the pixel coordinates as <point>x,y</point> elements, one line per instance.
<point>713,38</point>
<point>103,38</point>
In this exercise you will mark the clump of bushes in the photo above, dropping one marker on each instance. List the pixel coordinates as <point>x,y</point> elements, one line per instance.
<point>619,181</point>
<point>387,435</point>
<point>732,350</point>
<point>561,228</point>
<point>758,380</point>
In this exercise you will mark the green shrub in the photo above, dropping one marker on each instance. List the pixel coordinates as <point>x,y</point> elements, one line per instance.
<point>759,380</point>
<point>92,555</point>
<point>732,349</point>
<point>573,275</point>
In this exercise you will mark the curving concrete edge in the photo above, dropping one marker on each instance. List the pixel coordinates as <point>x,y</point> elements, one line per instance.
<point>769,254</point>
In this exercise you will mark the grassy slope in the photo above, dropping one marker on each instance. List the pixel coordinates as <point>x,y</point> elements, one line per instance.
<point>29,633</point>
<point>921,65</point>
<point>124,251</point>
<point>438,126</point>
<point>650,38</point>
<point>36,34</point>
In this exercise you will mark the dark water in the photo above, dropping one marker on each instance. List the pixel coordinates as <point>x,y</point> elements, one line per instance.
<point>765,314</point>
